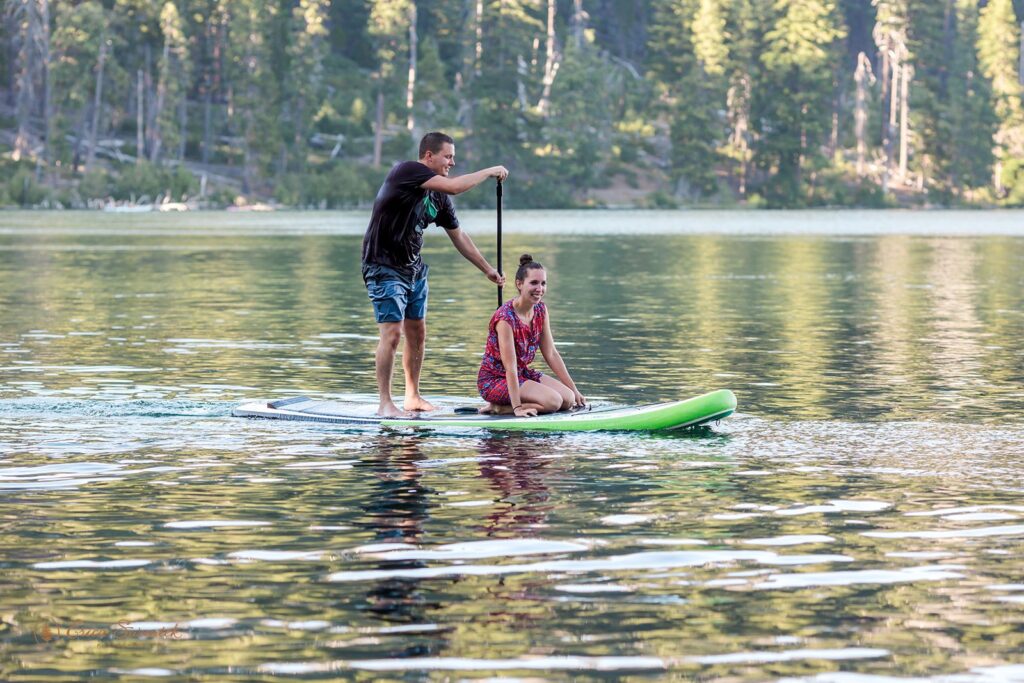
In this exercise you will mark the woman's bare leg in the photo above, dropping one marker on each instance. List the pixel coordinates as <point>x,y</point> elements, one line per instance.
<point>568,398</point>
<point>533,395</point>
<point>541,398</point>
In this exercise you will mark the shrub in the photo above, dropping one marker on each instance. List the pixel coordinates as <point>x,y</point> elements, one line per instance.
<point>1012,179</point>
<point>147,180</point>
<point>94,185</point>
<point>23,189</point>
<point>338,185</point>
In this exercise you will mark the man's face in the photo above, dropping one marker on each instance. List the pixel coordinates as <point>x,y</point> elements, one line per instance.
<point>442,161</point>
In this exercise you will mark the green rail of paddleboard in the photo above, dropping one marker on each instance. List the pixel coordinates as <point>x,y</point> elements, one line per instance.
<point>675,415</point>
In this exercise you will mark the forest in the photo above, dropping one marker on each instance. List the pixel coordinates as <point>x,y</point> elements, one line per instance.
<point>589,103</point>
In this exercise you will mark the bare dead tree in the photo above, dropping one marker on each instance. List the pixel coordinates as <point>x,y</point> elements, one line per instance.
<point>33,39</point>
<point>410,89</point>
<point>97,102</point>
<point>551,62</point>
<point>863,77</point>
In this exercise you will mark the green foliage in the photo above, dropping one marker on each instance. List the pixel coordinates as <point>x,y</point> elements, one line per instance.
<point>21,187</point>
<point>149,180</point>
<point>998,49</point>
<point>930,46</point>
<point>972,116</point>
<point>336,186</point>
<point>722,98</point>
<point>800,53</point>
<point>95,185</point>
<point>1012,178</point>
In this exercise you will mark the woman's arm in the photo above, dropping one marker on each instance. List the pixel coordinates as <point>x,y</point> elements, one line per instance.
<point>507,349</point>
<point>554,360</point>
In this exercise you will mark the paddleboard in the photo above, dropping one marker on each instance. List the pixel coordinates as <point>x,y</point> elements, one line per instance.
<point>655,417</point>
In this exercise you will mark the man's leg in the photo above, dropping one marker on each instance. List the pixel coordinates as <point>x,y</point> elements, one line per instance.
<point>415,329</point>
<point>390,335</point>
<point>412,362</point>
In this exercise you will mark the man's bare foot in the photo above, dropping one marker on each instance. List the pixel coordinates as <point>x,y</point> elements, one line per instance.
<point>418,403</point>
<point>391,410</point>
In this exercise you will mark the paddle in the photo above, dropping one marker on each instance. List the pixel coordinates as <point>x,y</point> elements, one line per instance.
<point>499,238</point>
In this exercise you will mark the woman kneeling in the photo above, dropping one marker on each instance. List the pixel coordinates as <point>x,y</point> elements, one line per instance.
<point>517,329</point>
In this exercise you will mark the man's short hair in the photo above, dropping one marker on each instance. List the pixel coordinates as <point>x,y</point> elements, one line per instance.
<point>433,142</point>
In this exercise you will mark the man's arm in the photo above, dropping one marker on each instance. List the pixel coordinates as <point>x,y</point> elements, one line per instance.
<point>468,249</point>
<point>462,183</point>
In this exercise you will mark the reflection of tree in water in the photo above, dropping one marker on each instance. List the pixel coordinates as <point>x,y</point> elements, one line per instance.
<point>395,511</point>
<point>516,471</point>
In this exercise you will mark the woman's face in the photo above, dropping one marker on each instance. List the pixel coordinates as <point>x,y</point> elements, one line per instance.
<point>534,285</point>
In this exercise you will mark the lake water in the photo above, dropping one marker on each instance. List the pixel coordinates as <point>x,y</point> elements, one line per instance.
<point>859,520</point>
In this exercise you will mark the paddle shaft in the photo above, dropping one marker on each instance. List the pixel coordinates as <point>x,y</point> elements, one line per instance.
<point>498,191</point>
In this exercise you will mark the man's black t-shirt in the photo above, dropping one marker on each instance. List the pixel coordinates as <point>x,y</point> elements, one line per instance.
<point>401,212</point>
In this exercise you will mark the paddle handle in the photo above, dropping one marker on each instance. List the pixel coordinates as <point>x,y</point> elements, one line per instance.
<point>498,192</point>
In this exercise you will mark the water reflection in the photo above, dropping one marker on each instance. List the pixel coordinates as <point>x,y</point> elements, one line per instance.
<point>396,511</point>
<point>859,518</point>
<point>517,470</point>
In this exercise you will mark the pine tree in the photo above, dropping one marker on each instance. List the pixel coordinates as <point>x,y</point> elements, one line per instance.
<point>503,125</point>
<point>82,44</point>
<point>930,40</point>
<point>800,52</point>
<point>174,71</point>
<point>307,51</point>
<point>973,119</point>
<point>31,19</point>
<point>252,89</point>
<point>389,25</point>
<point>999,56</point>
<point>691,96</point>
<point>744,28</point>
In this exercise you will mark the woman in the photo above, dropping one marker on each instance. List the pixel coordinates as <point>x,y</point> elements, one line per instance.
<point>517,329</point>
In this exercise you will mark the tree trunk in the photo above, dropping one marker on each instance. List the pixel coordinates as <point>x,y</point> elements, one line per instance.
<point>862,76</point>
<point>150,103</point>
<point>550,62</point>
<point>410,90</point>
<point>378,131</point>
<point>577,23</point>
<point>479,28</point>
<point>207,124</point>
<point>908,73</point>
<point>157,140</point>
<point>97,103</point>
<point>47,93</point>
<point>140,119</point>
<point>182,126</point>
<point>27,14</point>
<point>890,128</point>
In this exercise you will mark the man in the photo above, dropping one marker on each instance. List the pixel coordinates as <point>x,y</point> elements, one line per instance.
<point>415,194</point>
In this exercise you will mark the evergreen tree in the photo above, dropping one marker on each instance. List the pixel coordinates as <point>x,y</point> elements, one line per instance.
<point>31,19</point>
<point>435,102</point>
<point>800,52</point>
<point>307,52</point>
<point>579,129</point>
<point>999,56</point>
<point>691,97</point>
<point>503,127</point>
<point>744,29</point>
<point>973,119</point>
<point>930,41</point>
<point>174,71</point>
<point>252,89</point>
<point>82,44</point>
<point>389,26</point>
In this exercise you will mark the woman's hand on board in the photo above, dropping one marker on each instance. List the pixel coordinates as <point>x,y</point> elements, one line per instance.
<point>520,411</point>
